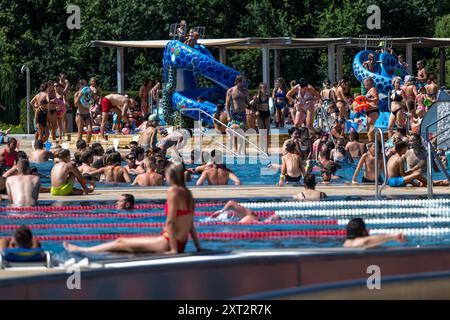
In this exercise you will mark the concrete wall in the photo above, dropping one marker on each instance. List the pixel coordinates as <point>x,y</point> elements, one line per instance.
<point>218,278</point>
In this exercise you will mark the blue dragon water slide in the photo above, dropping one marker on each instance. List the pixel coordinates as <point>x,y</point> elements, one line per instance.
<point>384,72</point>
<point>181,65</point>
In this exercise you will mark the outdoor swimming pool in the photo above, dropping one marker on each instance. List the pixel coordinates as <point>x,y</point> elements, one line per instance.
<point>249,172</point>
<point>302,225</point>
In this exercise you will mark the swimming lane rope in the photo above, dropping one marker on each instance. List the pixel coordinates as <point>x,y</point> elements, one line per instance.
<point>90,208</point>
<point>362,212</point>
<point>110,215</point>
<point>160,224</point>
<point>344,203</point>
<point>255,235</point>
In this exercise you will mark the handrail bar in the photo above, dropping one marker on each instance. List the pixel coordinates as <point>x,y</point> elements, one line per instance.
<point>223,124</point>
<point>378,190</point>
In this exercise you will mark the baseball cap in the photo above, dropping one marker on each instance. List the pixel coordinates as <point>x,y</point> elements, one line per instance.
<point>154,117</point>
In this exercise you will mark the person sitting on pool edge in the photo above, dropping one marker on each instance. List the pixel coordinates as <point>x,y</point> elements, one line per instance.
<point>310,193</point>
<point>125,202</point>
<point>63,176</point>
<point>179,208</point>
<point>40,155</point>
<point>358,236</point>
<point>23,188</point>
<point>23,238</point>
<point>150,178</point>
<point>291,167</point>
<point>368,162</point>
<point>397,177</point>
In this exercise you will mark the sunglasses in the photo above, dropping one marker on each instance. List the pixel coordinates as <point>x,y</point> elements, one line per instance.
<point>133,158</point>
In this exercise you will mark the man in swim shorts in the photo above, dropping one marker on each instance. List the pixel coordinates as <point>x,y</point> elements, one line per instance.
<point>397,177</point>
<point>63,176</point>
<point>237,101</point>
<point>118,104</point>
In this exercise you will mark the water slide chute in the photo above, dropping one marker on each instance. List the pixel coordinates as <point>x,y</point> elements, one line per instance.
<point>181,65</point>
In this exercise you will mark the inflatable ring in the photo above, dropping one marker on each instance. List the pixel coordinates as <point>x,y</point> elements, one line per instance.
<point>86,97</point>
<point>362,104</point>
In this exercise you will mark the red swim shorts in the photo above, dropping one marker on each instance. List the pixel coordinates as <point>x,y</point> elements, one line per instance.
<point>106,105</point>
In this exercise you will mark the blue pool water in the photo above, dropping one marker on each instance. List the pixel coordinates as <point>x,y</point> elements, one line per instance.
<point>249,172</point>
<point>309,215</point>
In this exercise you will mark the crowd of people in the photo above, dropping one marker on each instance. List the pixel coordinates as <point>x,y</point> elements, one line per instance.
<point>94,111</point>
<point>310,150</point>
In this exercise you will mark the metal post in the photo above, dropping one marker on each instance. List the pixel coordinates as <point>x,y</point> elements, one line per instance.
<point>408,57</point>
<point>266,65</point>
<point>276,64</point>
<point>27,71</point>
<point>376,166</point>
<point>120,71</point>
<point>429,171</point>
<point>331,63</point>
<point>442,67</point>
<point>339,63</point>
<point>223,55</point>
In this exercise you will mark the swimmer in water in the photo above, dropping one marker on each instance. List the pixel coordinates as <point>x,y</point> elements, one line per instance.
<point>245,215</point>
<point>358,236</point>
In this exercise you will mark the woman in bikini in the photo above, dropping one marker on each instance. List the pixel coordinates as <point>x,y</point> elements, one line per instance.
<point>61,109</point>
<point>341,99</point>
<point>398,109</point>
<point>279,97</point>
<point>261,103</point>
<point>410,91</point>
<point>179,224</point>
<point>327,94</point>
<point>83,117</point>
<point>143,94</point>
<point>307,97</point>
<point>52,108</point>
<point>372,113</point>
<point>40,104</point>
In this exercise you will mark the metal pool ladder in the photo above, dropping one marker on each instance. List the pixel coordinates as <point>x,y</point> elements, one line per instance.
<point>433,156</point>
<point>378,189</point>
<point>200,112</point>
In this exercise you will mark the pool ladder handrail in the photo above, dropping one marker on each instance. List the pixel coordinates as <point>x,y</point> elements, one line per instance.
<point>432,156</point>
<point>325,119</point>
<point>233,132</point>
<point>379,133</point>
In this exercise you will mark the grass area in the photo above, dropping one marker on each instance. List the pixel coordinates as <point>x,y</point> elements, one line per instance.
<point>15,129</point>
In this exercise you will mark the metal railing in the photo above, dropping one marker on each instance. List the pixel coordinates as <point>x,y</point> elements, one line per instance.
<point>433,156</point>
<point>429,170</point>
<point>379,133</point>
<point>325,119</point>
<point>200,112</point>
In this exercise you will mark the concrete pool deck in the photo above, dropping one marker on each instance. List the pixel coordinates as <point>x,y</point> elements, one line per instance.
<point>245,192</point>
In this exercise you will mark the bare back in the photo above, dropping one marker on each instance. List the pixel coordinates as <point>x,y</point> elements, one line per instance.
<point>23,190</point>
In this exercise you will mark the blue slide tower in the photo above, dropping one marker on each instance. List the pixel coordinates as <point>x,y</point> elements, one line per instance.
<point>181,65</point>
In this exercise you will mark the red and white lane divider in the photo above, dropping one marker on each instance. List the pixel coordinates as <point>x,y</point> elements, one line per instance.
<point>110,215</point>
<point>362,212</point>
<point>205,235</point>
<point>255,235</point>
<point>90,208</point>
<point>160,224</point>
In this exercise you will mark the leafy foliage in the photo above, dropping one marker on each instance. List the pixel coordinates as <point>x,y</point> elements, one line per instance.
<point>34,32</point>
